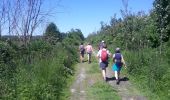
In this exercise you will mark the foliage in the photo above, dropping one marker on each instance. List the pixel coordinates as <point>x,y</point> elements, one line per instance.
<point>138,36</point>
<point>40,70</point>
<point>52,34</point>
<point>7,69</point>
<point>52,71</point>
<point>162,10</point>
<point>75,36</point>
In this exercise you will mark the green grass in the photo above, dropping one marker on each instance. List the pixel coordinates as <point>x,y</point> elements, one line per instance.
<point>102,91</point>
<point>94,69</point>
<point>148,72</point>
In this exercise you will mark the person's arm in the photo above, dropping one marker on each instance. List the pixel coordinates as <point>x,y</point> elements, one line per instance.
<point>92,48</point>
<point>123,61</point>
<point>98,54</point>
<point>109,54</point>
<point>113,58</point>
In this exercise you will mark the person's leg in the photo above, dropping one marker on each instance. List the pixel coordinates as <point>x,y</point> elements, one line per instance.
<point>104,73</point>
<point>89,57</point>
<point>116,75</point>
<point>119,69</point>
<point>80,58</point>
<point>103,70</point>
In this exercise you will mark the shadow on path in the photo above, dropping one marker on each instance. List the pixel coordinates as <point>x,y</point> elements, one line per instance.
<point>113,78</point>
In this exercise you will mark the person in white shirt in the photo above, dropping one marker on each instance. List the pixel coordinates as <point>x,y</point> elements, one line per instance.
<point>103,56</point>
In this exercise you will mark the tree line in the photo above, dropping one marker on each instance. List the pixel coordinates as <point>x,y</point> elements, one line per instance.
<point>40,69</point>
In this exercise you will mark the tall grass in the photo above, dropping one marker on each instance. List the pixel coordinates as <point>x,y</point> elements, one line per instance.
<point>150,71</point>
<point>42,72</point>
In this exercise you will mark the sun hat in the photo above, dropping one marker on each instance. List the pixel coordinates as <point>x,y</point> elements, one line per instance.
<point>117,49</point>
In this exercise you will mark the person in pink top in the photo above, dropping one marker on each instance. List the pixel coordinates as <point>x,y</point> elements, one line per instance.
<point>89,50</point>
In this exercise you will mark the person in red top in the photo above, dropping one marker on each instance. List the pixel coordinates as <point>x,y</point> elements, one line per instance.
<point>103,62</point>
<point>89,50</point>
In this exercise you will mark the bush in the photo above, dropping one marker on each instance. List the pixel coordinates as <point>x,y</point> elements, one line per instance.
<point>150,70</point>
<point>7,69</point>
<point>38,71</point>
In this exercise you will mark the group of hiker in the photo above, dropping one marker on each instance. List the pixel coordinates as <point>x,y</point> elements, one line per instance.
<point>103,55</point>
<point>85,49</point>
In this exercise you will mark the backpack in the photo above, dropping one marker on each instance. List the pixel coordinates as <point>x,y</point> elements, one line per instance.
<point>118,58</point>
<point>82,48</point>
<point>104,55</point>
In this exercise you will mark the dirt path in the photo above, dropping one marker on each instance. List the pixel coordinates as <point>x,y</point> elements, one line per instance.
<point>78,88</point>
<point>82,81</point>
<point>125,89</point>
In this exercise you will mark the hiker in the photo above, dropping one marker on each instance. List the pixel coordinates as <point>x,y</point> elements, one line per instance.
<point>89,50</point>
<point>82,52</point>
<point>118,62</point>
<point>101,45</point>
<point>103,55</point>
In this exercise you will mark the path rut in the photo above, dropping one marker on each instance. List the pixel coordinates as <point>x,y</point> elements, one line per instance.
<point>125,89</point>
<point>78,88</point>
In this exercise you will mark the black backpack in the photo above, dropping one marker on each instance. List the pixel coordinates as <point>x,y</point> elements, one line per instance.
<point>82,49</point>
<point>118,59</point>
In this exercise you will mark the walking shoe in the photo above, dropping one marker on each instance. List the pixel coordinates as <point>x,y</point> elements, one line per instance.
<point>106,79</point>
<point>117,81</point>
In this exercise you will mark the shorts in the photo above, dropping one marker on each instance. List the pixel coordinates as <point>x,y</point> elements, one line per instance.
<point>82,54</point>
<point>116,67</point>
<point>89,54</point>
<point>103,65</point>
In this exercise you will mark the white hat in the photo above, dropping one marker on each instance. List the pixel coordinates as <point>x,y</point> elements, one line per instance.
<point>102,41</point>
<point>117,49</point>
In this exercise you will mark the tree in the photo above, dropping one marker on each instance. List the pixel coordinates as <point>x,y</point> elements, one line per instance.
<point>162,10</point>
<point>52,30</point>
<point>2,16</point>
<point>74,36</point>
<point>22,17</point>
<point>52,33</point>
<point>125,13</point>
<point>77,34</point>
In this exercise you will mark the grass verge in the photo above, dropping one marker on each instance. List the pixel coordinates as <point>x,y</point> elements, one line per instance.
<point>99,90</point>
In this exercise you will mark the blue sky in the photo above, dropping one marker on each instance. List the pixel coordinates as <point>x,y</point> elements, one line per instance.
<point>86,15</point>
